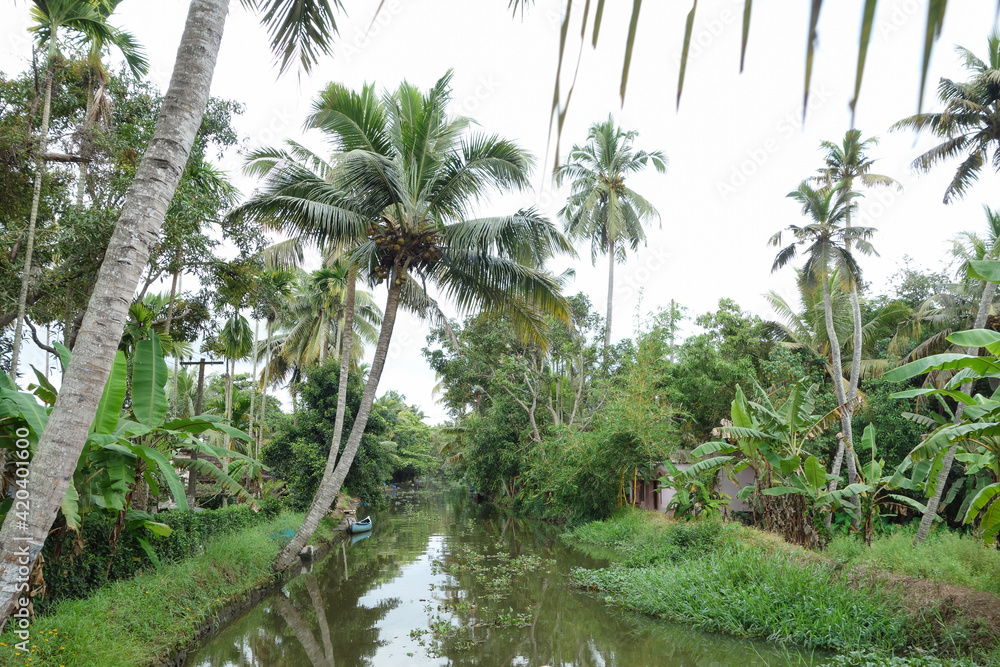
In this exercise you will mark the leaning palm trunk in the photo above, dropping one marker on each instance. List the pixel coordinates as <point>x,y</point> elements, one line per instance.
<point>59,447</point>
<point>989,290</point>
<point>29,245</point>
<point>329,489</point>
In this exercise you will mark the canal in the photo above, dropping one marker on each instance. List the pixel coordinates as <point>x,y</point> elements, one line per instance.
<point>443,581</point>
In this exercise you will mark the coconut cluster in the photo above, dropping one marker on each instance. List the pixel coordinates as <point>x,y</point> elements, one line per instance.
<point>401,247</point>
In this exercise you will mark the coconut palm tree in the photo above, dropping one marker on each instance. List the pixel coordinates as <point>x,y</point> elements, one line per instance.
<point>969,246</point>
<point>406,179</point>
<point>300,31</point>
<point>826,244</point>
<point>847,163</point>
<point>57,22</point>
<point>601,208</point>
<point>969,123</point>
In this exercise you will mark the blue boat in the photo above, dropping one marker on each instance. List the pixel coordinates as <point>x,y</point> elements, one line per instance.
<point>362,526</point>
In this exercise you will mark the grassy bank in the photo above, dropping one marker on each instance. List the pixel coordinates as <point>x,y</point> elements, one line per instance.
<point>724,577</point>
<point>132,622</point>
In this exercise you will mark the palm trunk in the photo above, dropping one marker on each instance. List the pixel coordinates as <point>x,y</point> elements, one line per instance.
<point>59,448</point>
<point>326,494</point>
<point>29,248</point>
<point>838,381</point>
<point>611,291</point>
<point>989,290</point>
<point>253,375</point>
<point>229,419</point>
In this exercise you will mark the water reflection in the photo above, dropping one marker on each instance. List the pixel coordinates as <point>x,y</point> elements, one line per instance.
<point>497,585</point>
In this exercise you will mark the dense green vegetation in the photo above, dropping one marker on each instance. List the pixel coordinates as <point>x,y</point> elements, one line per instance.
<point>725,577</point>
<point>852,412</point>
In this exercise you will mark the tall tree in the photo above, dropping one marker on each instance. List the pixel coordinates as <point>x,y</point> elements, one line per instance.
<point>84,21</point>
<point>846,163</point>
<point>968,246</point>
<point>969,123</point>
<point>301,29</point>
<point>827,246</point>
<point>601,208</point>
<point>411,175</point>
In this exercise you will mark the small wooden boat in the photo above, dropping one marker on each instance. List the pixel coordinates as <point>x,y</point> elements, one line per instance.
<point>362,526</point>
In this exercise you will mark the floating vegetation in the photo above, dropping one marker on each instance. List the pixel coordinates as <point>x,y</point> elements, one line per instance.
<point>463,622</point>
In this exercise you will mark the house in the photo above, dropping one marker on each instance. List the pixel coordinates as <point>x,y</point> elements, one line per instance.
<point>651,496</point>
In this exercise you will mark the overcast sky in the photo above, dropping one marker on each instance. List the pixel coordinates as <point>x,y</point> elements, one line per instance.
<point>737,145</point>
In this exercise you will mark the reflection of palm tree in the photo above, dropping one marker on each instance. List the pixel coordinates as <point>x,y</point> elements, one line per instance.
<point>300,628</point>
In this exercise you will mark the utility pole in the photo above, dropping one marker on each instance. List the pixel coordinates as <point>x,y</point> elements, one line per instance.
<point>192,474</point>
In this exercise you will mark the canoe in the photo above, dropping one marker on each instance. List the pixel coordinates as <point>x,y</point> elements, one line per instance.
<point>362,526</point>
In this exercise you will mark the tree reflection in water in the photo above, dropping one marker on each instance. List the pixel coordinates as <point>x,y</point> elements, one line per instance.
<point>359,606</point>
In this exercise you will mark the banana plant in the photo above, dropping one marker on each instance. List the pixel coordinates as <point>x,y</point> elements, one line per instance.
<point>125,443</point>
<point>773,440</point>
<point>882,484</point>
<point>974,439</point>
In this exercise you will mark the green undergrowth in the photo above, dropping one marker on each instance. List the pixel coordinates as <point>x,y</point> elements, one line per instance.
<point>945,556</point>
<point>132,622</point>
<point>726,577</point>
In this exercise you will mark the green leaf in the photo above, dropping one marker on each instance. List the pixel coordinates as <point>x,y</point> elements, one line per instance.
<point>985,269</point>
<point>629,44</point>
<point>867,21</point>
<point>929,391</point>
<point>935,19</point>
<point>35,414</point>
<point>149,551</point>
<point>917,505</point>
<point>975,338</point>
<point>64,354</point>
<point>44,389</point>
<point>154,457</point>
<point>706,464</point>
<point>815,472</point>
<point>713,447</point>
<point>110,407</point>
<point>747,6</point>
<point>688,29</point>
<point>810,51</point>
<point>739,412</point>
<point>149,380</point>
<point>71,507</point>
<point>782,491</point>
<point>951,361</point>
<point>985,496</point>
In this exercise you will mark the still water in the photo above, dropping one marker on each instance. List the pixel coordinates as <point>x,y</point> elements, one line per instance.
<point>443,581</point>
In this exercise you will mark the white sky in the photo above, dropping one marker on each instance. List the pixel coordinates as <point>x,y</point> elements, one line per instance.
<point>736,145</point>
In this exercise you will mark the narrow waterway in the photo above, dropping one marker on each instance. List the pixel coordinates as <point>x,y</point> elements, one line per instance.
<point>442,581</point>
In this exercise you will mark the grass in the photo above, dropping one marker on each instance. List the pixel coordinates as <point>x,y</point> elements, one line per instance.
<point>725,577</point>
<point>945,556</point>
<point>132,622</point>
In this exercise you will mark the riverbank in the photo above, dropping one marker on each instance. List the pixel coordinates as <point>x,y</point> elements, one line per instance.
<point>143,620</point>
<point>725,577</point>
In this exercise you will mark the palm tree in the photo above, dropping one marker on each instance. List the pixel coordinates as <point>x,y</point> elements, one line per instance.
<point>969,246</point>
<point>407,177</point>
<point>827,248</point>
<point>85,21</point>
<point>237,342</point>
<point>846,163</point>
<point>300,30</point>
<point>600,208</point>
<point>970,122</point>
